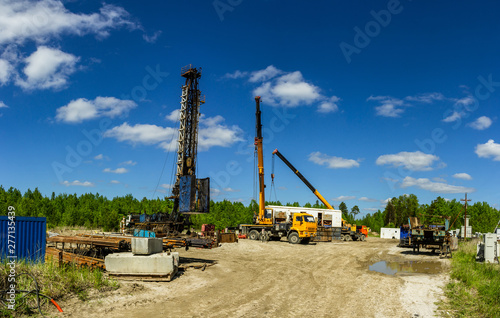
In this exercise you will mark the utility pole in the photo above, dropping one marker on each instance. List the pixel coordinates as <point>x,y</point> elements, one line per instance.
<point>465,222</point>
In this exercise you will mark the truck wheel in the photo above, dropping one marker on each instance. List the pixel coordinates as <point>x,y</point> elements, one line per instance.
<point>342,237</point>
<point>253,235</point>
<point>362,238</point>
<point>293,238</point>
<point>348,238</point>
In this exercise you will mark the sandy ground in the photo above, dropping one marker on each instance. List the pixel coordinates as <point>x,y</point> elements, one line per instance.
<point>277,279</point>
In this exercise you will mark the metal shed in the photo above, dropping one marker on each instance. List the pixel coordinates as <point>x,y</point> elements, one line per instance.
<point>28,237</point>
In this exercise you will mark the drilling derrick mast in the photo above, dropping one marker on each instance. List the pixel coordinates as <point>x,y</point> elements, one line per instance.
<point>191,195</point>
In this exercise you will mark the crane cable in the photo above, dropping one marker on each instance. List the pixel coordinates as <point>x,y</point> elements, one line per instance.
<point>273,186</point>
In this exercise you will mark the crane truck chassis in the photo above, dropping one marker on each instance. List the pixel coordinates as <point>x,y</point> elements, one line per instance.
<point>299,227</point>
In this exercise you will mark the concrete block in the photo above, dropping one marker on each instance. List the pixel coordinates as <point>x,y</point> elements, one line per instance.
<point>146,245</point>
<point>160,264</point>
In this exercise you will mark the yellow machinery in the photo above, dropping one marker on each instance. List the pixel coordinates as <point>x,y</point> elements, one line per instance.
<point>349,232</point>
<point>297,227</point>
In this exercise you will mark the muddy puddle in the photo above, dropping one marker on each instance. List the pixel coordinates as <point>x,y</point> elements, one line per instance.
<point>406,267</point>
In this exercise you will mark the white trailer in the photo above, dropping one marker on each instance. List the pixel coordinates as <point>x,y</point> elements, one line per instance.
<point>390,233</point>
<point>323,217</point>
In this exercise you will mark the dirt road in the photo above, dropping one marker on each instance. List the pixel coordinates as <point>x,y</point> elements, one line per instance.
<point>277,279</point>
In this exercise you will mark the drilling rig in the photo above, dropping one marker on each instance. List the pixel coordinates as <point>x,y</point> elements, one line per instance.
<point>190,195</point>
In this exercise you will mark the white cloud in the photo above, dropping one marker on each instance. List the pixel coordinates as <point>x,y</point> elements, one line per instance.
<point>230,190</point>
<point>114,182</point>
<point>117,170</point>
<point>174,115</point>
<point>83,109</point>
<point>481,123</point>
<point>236,74</point>
<point>371,209</point>
<point>330,105</point>
<point>343,198</point>
<point>332,162</point>
<point>167,186</point>
<point>212,132</point>
<point>489,149</point>
<point>416,161</point>
<point>437,179</point>
<point>128,163</point>
<point>99,157</point>
<point>2,105</point>
<point>390,106</point>
<point>47,68</point>
<point>151,38</point>
<point>22,20</point>
<point>367,199</point>
<point>383,203</point>
<point>261,75</point>
<point>78,183</point>
<point>426,98</point>
<point>5,71</point>
<point>436,187</point>
<point>453,117</point>
<point>465,101</point>
<point>463,176</point>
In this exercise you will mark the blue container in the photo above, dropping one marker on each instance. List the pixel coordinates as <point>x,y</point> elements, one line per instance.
<point>29,238</point>
<point>144,233</point>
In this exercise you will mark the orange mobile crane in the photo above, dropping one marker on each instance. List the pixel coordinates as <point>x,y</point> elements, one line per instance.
<point>349,232</point>
<point>297,227</point>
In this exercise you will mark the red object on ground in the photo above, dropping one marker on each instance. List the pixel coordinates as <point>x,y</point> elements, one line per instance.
<point>242,236</point>
<point>58,308</point>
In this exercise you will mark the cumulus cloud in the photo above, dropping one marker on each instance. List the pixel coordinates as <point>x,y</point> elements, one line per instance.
<point>332,162</point>
<point>481,123</point>
<point>365,199</point>
<point>261,75</point>
<point>436,187</point>
<point>389,106</point>
<point>330,105</point>
<point>22,20</point>
<point>2,105</point>
<point>78,183</point>
<point>463,176</point>
<point>114,182</point>
<point>117,170</point>
<point>83,109</point>
<point>212,132</point>
<point>99,157</point>
<point>47,68</point>
<point>174,115</point>
<point>489,149</point>
<point>453,117</point>
<point>416,161</point>
<point>343,198</point>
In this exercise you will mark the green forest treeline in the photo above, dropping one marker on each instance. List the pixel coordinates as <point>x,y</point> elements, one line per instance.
<point>96,211</point>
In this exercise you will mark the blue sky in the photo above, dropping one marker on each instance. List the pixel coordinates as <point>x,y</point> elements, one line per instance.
<point>369,100</point>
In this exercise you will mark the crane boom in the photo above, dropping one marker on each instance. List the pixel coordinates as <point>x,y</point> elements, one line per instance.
<point>260,159</point>
<point>301,177</point>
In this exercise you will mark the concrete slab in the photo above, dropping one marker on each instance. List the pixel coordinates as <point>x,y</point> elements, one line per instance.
<point>160,264</point>
<point>146,245</point>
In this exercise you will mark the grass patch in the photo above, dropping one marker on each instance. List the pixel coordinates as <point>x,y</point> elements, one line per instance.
<point>474,288</point>
<point>53,281</point>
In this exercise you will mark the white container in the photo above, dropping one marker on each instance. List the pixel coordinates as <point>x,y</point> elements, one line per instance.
<point>146,245</point>
<point>469,232</point>
<point>390,233</point>
<point>335,216</point>
<point>490,247</point>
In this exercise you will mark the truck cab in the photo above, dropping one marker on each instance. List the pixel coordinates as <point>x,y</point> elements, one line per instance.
<point>303,228</point>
